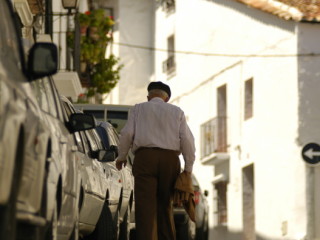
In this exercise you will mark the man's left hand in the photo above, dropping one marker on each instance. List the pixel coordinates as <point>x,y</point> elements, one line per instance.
<point>120,163</point>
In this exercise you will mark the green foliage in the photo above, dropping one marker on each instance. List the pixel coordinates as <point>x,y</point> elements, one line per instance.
<point>84,18</point>
<point>104,76</point>
<point>101,74</point>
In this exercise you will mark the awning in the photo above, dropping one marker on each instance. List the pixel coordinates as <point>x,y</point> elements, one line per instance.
<point>219,178</point>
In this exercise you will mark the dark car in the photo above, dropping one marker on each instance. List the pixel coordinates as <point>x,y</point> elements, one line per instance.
<point>187,229</point>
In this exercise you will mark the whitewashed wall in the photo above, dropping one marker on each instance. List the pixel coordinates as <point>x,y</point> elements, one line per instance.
<point>286,101</point>
<point>135,27</point>
<point>269,139</point>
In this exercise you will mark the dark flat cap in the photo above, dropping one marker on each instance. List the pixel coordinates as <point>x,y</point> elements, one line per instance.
<point>161,86</point>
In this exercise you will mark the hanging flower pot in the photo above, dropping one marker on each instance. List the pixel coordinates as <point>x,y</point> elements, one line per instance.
<point>83,67</point>
<point>93,33</point>
<point>83,30</point>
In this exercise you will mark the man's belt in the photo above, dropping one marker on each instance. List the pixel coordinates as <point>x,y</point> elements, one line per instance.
<point>155,148</point>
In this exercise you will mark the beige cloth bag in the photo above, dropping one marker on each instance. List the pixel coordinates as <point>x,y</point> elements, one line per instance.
<point>184,194</point>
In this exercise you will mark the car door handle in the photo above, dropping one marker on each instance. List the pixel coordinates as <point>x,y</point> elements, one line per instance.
<point>74,148</point>
<point>63,140</point>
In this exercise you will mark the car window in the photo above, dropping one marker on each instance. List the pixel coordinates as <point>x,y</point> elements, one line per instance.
<point>4,95</point>
<point>79,142</point>
<point>40,94</point>
<point>92,142</point>
<point>103,136</point>
<point>97,138</point>
<point>58,100</point>
<point>112,137</point>
<point>67,108</point>
<point>195,183</point>
<point>85,142</point>
<point>9,43</point>
<point>52,103</point>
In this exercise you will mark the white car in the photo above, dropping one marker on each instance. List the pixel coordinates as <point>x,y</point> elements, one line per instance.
<point>62,170</point>
<point>22,129</point>
<point>94,183</point>
<point>113,119</point>
<point>122,211</point>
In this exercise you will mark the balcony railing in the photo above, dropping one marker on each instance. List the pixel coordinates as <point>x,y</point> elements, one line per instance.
<point>169,65</point>
<point>214,136</point>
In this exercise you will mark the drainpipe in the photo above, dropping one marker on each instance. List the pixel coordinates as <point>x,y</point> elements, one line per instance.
<point>310,191</point>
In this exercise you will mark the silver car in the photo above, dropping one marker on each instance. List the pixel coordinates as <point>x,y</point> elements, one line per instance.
<point>22,129</point>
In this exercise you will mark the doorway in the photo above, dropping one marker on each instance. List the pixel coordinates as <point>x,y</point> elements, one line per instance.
<point>248,203</point>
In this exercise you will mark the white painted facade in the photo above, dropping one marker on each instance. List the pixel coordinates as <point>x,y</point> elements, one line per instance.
<point>134,26</point>
<point>286,110</point>
<point>67,82</point>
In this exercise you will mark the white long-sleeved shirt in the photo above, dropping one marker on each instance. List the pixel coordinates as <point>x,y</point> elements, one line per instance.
<point>157,124</point>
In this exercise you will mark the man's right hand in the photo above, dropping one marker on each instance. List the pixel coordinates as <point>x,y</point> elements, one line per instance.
<point>120,163</point>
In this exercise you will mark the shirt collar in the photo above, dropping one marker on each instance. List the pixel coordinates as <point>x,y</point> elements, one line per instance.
<point>156,99</point>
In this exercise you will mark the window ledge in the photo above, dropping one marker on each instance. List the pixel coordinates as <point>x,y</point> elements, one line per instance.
<point>219,178</point>
<point>215,158</point>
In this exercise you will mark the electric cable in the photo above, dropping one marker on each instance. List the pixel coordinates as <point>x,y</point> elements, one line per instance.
<point>218,54</point>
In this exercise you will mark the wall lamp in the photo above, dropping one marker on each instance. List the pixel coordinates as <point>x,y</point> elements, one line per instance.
<point>70,4</point>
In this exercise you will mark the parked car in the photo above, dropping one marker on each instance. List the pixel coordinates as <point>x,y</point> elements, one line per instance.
<point>125,207</point>
<point>97,190</point>
<point>22,129</point>
<point>115,216</point>
<point>62,169</point>
<point>187,229</point>
<point>115,114</point>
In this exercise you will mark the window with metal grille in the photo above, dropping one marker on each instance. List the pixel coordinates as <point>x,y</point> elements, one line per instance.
<point>208,138</point>
<point>222,118</point>
<point>248,101</point>
<point>169,65</point>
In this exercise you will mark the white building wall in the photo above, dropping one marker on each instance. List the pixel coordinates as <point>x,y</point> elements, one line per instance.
<point>309,114</point>
<point>269,139</point>
<point>214,41</point>
<point>135,28</point>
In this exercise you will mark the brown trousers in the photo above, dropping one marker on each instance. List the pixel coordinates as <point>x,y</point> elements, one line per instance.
<point>155,172</point>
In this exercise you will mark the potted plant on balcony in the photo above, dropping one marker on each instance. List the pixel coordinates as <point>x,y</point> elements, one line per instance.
<point>98,74</point>
<point>84,21</point>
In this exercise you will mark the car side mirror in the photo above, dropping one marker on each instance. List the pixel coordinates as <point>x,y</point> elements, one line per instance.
<point>206,193</point>
<point>100,155</point>
<point>110,155</point>
<point>80,122</point>
<point>114,149</point>
<point>42,60</point>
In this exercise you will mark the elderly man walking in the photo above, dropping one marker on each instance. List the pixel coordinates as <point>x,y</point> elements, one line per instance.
<point>158,133</point>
